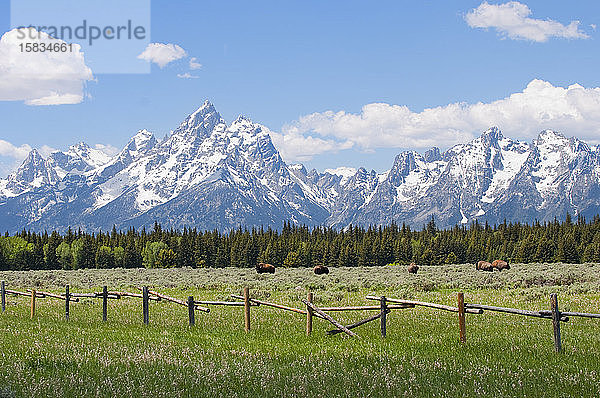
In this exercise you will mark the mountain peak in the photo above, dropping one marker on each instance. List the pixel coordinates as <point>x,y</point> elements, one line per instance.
<point>493,133</point>
<point>32,156</point>
<point>81,149</point>
<point>550,139</point>
<point>206,107</point>
<point>242,119</point>
<point>201,122</point>
<point>143,140</point>
<point>143,133</point>
<point>550,135</point>
<point>32,173</point>
<point>404,163</point>
<point>432,155</point>
<point>142,136</point>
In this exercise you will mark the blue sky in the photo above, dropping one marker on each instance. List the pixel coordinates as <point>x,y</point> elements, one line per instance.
<point>277,61</point>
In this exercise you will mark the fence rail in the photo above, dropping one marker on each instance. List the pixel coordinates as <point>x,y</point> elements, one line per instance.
<point>312,310</point>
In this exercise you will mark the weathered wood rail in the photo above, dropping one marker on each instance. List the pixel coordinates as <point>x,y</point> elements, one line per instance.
<point>570,313</point>
<point>177,301</point>
<point>329,318</point>
<point>268,304</point>
<point>424,304</point>
<point>359,323</point>
<point>536,314</point>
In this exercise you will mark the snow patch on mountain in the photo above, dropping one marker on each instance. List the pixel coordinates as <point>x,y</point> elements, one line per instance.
<point>554,154</point>
<point>513,155</point>
<point>344,172</point>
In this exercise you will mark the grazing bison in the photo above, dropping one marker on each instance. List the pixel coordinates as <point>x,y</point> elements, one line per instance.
<point>263,268</point>
<point>484,266</point>
<point>500,265</point>
<point>413,268</point>
<point>321,269</point>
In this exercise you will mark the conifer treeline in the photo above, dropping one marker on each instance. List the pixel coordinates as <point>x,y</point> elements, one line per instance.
<point>297,246</point>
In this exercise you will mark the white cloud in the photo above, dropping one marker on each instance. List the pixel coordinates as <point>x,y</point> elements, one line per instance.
<point>194,64</point>
<point>294,146</point>
<point>162,54</point>
<point>107,149</point>
<point>41,78</point>
<point>574,111</point>
<point>46,150</point>
<point>16,152</point>
<point>11,156</point>
<point>20,152</point>
<point>187,76</point>
<point>513,20</point>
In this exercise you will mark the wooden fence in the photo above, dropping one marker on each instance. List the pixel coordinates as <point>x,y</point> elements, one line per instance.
<point>384,307</point>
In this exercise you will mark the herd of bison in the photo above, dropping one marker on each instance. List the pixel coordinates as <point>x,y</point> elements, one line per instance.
<point>263,268</point>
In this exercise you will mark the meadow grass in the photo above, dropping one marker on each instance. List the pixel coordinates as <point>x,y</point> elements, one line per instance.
<point>505,355</point>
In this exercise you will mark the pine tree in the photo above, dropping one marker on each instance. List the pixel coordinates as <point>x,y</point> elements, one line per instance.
<point>292,260</point>
<point>451,259</point>
<point>131,257</point>
<point>50,257</point>
<point>567,250</point>
<point>104,258</point>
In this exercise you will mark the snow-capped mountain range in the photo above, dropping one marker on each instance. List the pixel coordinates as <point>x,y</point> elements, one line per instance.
<point>208,174</point>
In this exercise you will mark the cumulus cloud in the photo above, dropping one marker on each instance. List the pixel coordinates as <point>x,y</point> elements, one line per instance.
<point>294,146</point>
<point>107,149</point>
<point>19,153</point>
<point>162,54</point>
<point>46,150</point>
<point>12,151</point>
<point>194,64</point>
<point>41,78</point>
<point>572,110</point>
<point>513,20</point>
<point>187,76</point>
<point>11,156</point>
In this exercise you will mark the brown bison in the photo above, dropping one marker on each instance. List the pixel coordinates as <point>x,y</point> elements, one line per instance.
<point>500,265</point>
<point>413,268</point>
<point>263,268</point>
<point>321,269</point>
<point>484,266</point>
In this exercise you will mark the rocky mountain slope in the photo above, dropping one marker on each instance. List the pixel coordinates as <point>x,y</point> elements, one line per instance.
<point>209,174</point>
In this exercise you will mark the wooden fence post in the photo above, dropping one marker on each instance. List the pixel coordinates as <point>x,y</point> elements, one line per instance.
<point>145,305</point>
<point>104,304</point>
<point>3,294</point>
<point>247,309</point>
<point>33,294</point>
<point>191,310</point>
<point>555,321</point>
<point>461,318</point>
<point>383,316</point>
<point>67,297</point>
<point>309,314</point>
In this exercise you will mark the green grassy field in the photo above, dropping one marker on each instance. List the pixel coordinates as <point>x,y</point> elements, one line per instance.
<point>505,355</point>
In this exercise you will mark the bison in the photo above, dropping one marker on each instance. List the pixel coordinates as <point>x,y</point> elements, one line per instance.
<point>320,270</point>
<point>263,268</point>
<point>484,266</point>
<point>500,265</point>
<point>413,268</point>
